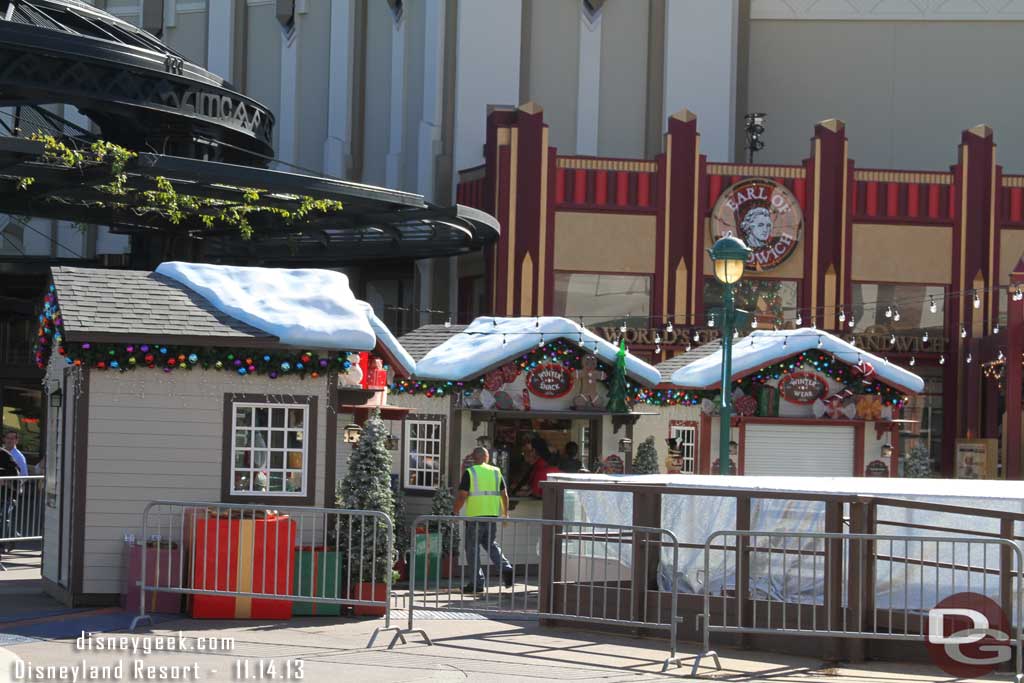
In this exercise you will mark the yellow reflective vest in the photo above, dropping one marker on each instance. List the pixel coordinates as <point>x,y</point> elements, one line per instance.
<point>484,491</point>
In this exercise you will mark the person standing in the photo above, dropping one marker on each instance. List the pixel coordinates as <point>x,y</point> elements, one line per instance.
<point>483,493</point>
<point>11,446</point>
<point>8,497</point>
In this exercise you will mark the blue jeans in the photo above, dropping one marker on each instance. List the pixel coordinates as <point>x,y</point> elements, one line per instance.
<point>482,535</point>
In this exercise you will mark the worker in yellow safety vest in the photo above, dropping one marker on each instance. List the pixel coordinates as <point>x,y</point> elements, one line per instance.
<point>483,494</point>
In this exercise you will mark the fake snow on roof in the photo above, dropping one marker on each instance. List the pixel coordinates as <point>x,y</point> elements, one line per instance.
<point>490,342</point>
<point>764,347</point>
<point>306,308</point>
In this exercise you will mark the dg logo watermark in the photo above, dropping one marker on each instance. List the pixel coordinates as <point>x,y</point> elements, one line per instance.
<point>969,635</point>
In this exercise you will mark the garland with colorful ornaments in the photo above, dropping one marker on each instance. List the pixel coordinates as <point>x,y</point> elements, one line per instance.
<point>168,357</point>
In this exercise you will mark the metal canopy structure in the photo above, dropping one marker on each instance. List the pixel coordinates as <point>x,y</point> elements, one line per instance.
<point>374,223</point>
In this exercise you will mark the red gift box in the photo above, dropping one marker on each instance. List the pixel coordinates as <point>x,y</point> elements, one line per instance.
<point>245,555</point>
<point>163,568</point>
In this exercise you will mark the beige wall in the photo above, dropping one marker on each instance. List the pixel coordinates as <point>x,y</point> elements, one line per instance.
<point>906,89</point>
<point>553,66</point>
<point>159,436</point>
<point>902,253</point>
<point>188,35</point>
<point>1011,248</point>
<point>607,242</point>
<point>658,427</point>
<point>263,58</point>
<point>622,114</point>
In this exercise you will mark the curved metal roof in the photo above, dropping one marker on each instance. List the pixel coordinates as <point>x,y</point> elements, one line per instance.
<point>141,93</point>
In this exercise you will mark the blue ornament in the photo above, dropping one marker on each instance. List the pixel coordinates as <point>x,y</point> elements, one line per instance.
<point>286,366</point>
<point>193,358</point>
<point>163,349</point>
<point>347,364</point>
<point>241,371</point>
<point>266,359</point>
<point>298,366</point>
<point>114,364</point>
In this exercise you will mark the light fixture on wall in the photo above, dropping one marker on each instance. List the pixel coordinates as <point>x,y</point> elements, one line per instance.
<point>754,130</point>
<point>351,433</point>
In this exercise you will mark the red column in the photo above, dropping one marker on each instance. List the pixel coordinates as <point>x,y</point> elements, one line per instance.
<point>1012,374</point>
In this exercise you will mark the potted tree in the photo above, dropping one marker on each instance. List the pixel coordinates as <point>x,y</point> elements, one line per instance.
<point>367,486</point>
<point>646,460</point>
<point>442,504</point>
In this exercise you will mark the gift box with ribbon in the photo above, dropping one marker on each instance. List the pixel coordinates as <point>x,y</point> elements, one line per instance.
<point>244,555</point>
<point>163,568</point>
<point>318,573</point>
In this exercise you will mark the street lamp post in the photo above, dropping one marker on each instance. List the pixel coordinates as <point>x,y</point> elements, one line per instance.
<point>729,256</point>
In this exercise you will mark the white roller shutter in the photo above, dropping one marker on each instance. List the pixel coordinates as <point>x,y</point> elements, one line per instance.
<point>798,451</point>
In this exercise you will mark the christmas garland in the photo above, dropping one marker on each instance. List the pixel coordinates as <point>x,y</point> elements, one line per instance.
<point>556,351</point>
<point>664,397</point>
<point>169,357</point>
<point>827,365</point>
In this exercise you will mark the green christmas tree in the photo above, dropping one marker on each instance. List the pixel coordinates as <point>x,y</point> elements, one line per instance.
<point>918,464</point>
<point>401,525</point>
<point>367,486</point>
<point>617,385</point>
<point>442,504</point>
<point>646,460</point>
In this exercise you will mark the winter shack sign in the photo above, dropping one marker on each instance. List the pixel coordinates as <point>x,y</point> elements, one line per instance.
<point>802,388</point>
<point>551,380</point>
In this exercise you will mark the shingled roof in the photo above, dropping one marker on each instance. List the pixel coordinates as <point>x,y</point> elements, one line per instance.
<point>669,366</point>
<point>423,340</point>
<point>109,305</point>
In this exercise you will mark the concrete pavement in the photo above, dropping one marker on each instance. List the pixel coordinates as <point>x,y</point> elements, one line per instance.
<point>333,649</point>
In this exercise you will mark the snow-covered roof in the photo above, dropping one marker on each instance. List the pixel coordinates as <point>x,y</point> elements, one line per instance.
<point>304,307</point>
<point>764,347</point>
<point>489,342</point>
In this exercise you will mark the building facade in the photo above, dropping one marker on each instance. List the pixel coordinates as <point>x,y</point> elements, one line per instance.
<point>911,265</point>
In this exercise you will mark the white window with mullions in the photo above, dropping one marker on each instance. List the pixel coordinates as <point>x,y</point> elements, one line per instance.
<point>686,442</point>
<point>270,449</point>
<point>423,443</point>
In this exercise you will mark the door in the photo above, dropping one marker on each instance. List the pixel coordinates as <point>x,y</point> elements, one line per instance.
<point>799,450</point>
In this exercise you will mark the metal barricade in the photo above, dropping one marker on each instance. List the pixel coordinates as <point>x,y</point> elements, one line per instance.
<point>848,585</point>
<point>322,557</point>
<point>22,502</point>
<point>552,569</point>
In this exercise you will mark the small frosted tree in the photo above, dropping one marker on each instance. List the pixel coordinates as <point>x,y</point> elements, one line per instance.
<point>367,486</point>
<point>646,460</point>
<point>918,464</point>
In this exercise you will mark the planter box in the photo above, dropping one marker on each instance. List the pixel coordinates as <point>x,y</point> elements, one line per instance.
<point>162,569</point>
<point>318,573</point>
<point>247,555</point>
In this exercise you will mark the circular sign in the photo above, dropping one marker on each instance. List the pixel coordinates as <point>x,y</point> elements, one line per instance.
<point>968,635</point>
<point>802,387</point>
<point>762,213</point>
<point>549,381</point>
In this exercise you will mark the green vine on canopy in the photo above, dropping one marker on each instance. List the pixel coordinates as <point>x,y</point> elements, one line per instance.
<point>165,199</point>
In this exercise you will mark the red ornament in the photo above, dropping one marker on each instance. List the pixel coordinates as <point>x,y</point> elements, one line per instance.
<point>304,358</point>
<point>101,365</point>
<point>149,359</point>
<point>62,351</point>
<point>171,362</point>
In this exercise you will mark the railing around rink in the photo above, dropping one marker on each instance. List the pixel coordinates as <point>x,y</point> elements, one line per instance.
<point>859,586</point>
<point>558,570</point>
<point>22,501</point>
<point>264,558</point>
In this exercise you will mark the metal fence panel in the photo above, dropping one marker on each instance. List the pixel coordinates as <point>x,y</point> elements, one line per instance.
<point>848,585</point>
<point>564,570</point>
<point>315,556</point>
<point>22,503</point>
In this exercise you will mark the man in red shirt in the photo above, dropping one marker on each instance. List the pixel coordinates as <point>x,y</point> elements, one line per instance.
<point>539,458</point>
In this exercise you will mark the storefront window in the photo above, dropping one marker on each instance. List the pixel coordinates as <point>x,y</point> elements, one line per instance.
<point>602,299</point>
<point>923,413</point>
<point>423,440</point>
<point>772,301</point>
<point>877,306</point>
<point>270,449</point>
<point>685,439</point>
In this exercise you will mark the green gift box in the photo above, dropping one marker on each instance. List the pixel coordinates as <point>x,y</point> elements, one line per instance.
<point>318,573</point>
<point>768,401</point>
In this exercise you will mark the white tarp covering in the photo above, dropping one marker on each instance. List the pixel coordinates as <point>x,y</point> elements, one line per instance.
<point>306,308</point>
<point>488,342</point>
<point>764,347</point>
<point>913,584</point>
